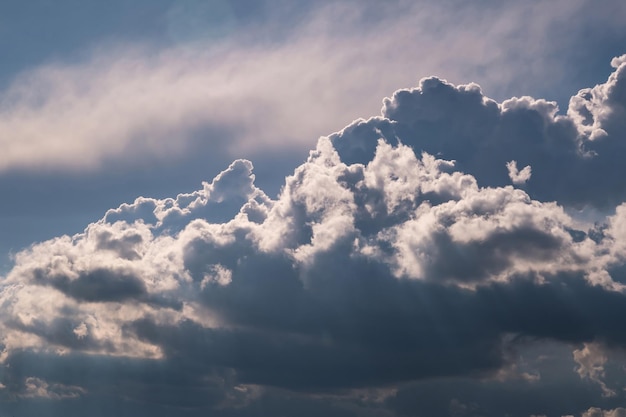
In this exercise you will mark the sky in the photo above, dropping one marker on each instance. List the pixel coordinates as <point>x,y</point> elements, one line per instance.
<point>346,208</point>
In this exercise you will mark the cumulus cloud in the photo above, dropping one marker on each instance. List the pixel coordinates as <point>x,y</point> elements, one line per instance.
<point>517,176</point>
<point>571,162</point>
<point>398,252</point>
<point>591,360</point>
<point>598,412</point>
<point>38,388</point>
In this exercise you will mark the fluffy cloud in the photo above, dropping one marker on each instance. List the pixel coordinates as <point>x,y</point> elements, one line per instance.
<point>37,388</point>
<point>591,361</point>
<point>518,176</point>
<point>574,158</point>
<point>397,253</point>
<point>597,412</point>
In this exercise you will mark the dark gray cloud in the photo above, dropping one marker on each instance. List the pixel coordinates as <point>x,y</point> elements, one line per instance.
<point>574,158</point>
<point>404,269</point>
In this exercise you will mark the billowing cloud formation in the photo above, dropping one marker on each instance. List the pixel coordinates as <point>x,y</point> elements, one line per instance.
<point>574,158</point>
<point>398,253</point>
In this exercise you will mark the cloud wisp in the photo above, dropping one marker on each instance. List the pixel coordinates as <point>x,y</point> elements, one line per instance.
<point>408,247</point>
<point>132,102</point>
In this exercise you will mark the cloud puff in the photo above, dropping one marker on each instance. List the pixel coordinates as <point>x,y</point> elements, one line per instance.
<point>37,388</point>
<point>597,412</point>
<point>517,176</point>
<point>573,157</point>
<point>397,252</point>
<point>591,361</point>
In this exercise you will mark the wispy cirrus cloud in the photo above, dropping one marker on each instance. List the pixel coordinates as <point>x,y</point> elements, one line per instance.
<point>132,102</point>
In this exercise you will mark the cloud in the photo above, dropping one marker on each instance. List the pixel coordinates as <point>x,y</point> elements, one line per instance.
<point>591,361</point>
<point>37,388</point>
<point>518,177</point>
<point>572,157</point>
<point>249,92</point>
<point>398,253</point>
<point>597,412</point>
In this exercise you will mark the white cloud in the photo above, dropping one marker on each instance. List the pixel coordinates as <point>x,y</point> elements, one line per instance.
<point>517,176</point>
<point>38,388</point>
<point>598,412</point>
<point>219,275</point>
<point>591,360</point>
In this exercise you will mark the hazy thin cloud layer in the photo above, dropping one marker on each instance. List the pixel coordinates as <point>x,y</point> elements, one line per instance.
<point>428,261</point>
<point>272,86</point>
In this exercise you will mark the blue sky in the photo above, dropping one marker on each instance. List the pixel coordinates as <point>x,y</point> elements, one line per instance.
<point>346,208</point>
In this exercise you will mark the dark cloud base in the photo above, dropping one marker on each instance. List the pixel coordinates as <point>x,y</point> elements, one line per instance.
<point>425,262</point>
